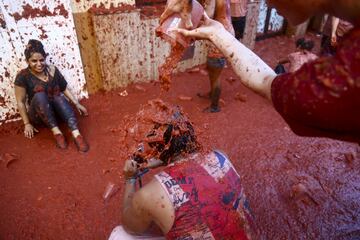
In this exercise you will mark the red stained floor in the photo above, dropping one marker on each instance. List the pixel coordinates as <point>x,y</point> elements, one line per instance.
<point>299,188</point>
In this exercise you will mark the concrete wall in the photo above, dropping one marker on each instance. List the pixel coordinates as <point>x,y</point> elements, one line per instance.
<point>252,19</point>
<point>130,52</point>
<point>118,43</point>
<point>86,36</point>
<point>52,23</point>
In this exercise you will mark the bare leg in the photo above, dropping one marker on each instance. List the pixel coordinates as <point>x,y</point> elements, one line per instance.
<point>215,67</point>
<point>215,89</point>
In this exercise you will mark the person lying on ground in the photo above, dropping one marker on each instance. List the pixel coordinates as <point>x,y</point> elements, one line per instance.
<point>198,195</point>
<point>323,94</point>
<point>46,92</point>
<point>298,58</point>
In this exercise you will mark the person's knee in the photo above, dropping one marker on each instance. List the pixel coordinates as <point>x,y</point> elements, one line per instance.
<point>60,99</point>
<point>40,98</point>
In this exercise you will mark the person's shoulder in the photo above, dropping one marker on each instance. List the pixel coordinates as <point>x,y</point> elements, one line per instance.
<point>298,53</point>
<point>52,69</point>
<point>294,55</point>
<point>22,75</point>
<point>23,72</point>
<point>154,201</point>
<point>313,55</point>
<point>142,196</point>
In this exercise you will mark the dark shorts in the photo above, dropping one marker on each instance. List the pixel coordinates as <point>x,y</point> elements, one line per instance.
<point>216,62</point>
<point>239,24</point>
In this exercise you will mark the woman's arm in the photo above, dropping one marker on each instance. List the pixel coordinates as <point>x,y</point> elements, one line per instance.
<point>134,217</point>
<point>82,110</point>
<point>252,70</point>
<point>20,95</point>
<point>334,26</point>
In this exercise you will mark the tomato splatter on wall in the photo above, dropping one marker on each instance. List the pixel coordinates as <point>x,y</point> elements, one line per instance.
<point>33,12</point>
<point>2,20</point>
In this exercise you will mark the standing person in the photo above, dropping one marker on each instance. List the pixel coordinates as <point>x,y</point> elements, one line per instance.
<point>298,58</point>
<point>238,16</point>
<point>322,25</point>
<point>334,30</point>
<point>219,10</point>
<point>45,88</point>
<point>339,29</point>
<point>328,95</point>
<point>198,195</point>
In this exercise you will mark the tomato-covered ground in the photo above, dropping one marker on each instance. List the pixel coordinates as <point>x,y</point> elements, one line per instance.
<point>298,187</point>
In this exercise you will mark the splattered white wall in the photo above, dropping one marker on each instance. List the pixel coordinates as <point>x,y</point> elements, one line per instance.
<point>52,23</point>
<point>130,52</point>
<point>262,17</point>
<point>126,45</point>
<point>276,21</point>
<point>83,6</point>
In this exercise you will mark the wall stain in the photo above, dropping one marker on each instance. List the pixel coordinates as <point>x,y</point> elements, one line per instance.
<point>31,12</point>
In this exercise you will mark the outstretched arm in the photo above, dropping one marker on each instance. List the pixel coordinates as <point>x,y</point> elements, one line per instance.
<point>252,70</point>
<point>334,25</point>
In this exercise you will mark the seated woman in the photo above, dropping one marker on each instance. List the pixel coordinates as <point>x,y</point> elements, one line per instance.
<point>198,195</point>
<point>45,89</point>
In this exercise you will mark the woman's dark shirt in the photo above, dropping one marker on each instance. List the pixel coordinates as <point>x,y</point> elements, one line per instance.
<point>55,85</point>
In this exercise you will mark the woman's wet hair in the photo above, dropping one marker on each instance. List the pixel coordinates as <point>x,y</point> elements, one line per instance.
<point>34,46</point>
<point>183,141</point>
<point>304,44</point>
<point>171,133</point>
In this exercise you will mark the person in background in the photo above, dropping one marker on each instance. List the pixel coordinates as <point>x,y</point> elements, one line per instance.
<point>47,94</point>
<point>238,10</point>
<point>324,94</point>
<point>323,21</point>
<point>339,29</point>
<point>219,10</point>
<point>334,30</point>
<point>298,58</point>
<point>197,195</point>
